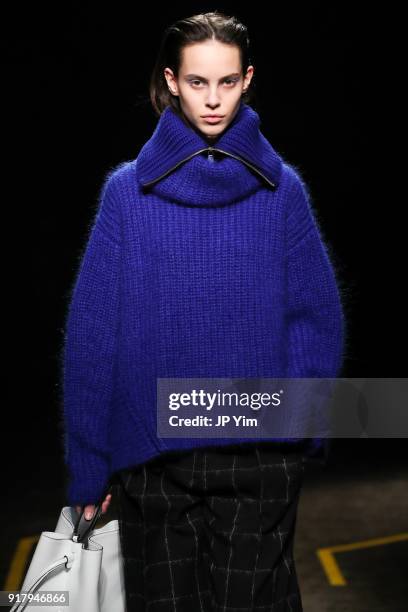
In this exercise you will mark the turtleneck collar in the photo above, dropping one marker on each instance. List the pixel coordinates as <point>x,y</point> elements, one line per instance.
<point>178,164</point>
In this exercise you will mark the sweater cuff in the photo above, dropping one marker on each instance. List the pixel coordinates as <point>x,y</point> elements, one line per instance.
<point>88,475</point>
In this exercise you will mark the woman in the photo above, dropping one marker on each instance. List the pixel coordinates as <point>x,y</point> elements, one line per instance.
<point>205,260</point>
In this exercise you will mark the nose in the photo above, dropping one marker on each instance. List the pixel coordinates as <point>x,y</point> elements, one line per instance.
<point>213,98</point>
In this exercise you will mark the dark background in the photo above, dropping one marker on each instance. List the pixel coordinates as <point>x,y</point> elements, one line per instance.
<point>76,94</point>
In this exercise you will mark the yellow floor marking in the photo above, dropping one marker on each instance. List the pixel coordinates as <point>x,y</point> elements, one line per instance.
<point>329,562</point>
<point>16,571</point>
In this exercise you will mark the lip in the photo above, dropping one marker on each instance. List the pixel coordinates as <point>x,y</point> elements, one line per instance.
<point>212,118</point>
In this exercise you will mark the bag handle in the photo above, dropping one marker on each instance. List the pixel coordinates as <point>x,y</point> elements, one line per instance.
<point>83,526</point>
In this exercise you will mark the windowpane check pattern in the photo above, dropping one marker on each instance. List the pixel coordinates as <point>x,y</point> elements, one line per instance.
<point>212,529</point>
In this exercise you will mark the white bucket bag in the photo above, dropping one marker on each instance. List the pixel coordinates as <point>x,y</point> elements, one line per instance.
<point>84,562</point>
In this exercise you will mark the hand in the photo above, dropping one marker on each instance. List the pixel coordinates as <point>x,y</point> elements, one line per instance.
<point>90,508</point>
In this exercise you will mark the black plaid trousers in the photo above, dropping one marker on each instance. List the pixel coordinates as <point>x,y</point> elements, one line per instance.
<point>212,529</point>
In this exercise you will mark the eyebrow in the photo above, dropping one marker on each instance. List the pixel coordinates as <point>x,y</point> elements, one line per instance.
<point>197,76</point>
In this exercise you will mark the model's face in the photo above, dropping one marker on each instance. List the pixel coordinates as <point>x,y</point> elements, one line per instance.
<point>210,82</point>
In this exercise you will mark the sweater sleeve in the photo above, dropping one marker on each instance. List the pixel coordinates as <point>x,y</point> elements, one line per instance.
<point>315,317</point>
<point>90,342</point>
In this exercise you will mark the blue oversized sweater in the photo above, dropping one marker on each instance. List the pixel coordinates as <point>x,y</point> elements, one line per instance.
<point>201,261</point>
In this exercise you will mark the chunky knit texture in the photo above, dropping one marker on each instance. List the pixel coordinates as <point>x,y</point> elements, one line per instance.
<point>216,269</point>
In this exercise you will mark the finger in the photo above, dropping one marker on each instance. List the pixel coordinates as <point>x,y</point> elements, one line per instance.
<point>106,502</point>
<point>89,511</point>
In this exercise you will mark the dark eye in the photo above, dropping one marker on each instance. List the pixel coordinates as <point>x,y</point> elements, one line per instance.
<point>231,81</point>
<point>228,81</point>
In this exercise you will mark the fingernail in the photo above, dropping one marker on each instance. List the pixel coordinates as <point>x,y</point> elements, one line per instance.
<point>88,515</point>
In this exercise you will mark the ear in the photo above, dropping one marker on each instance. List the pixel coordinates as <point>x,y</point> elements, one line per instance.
<point>247,78</point>
<point>171,81</point>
